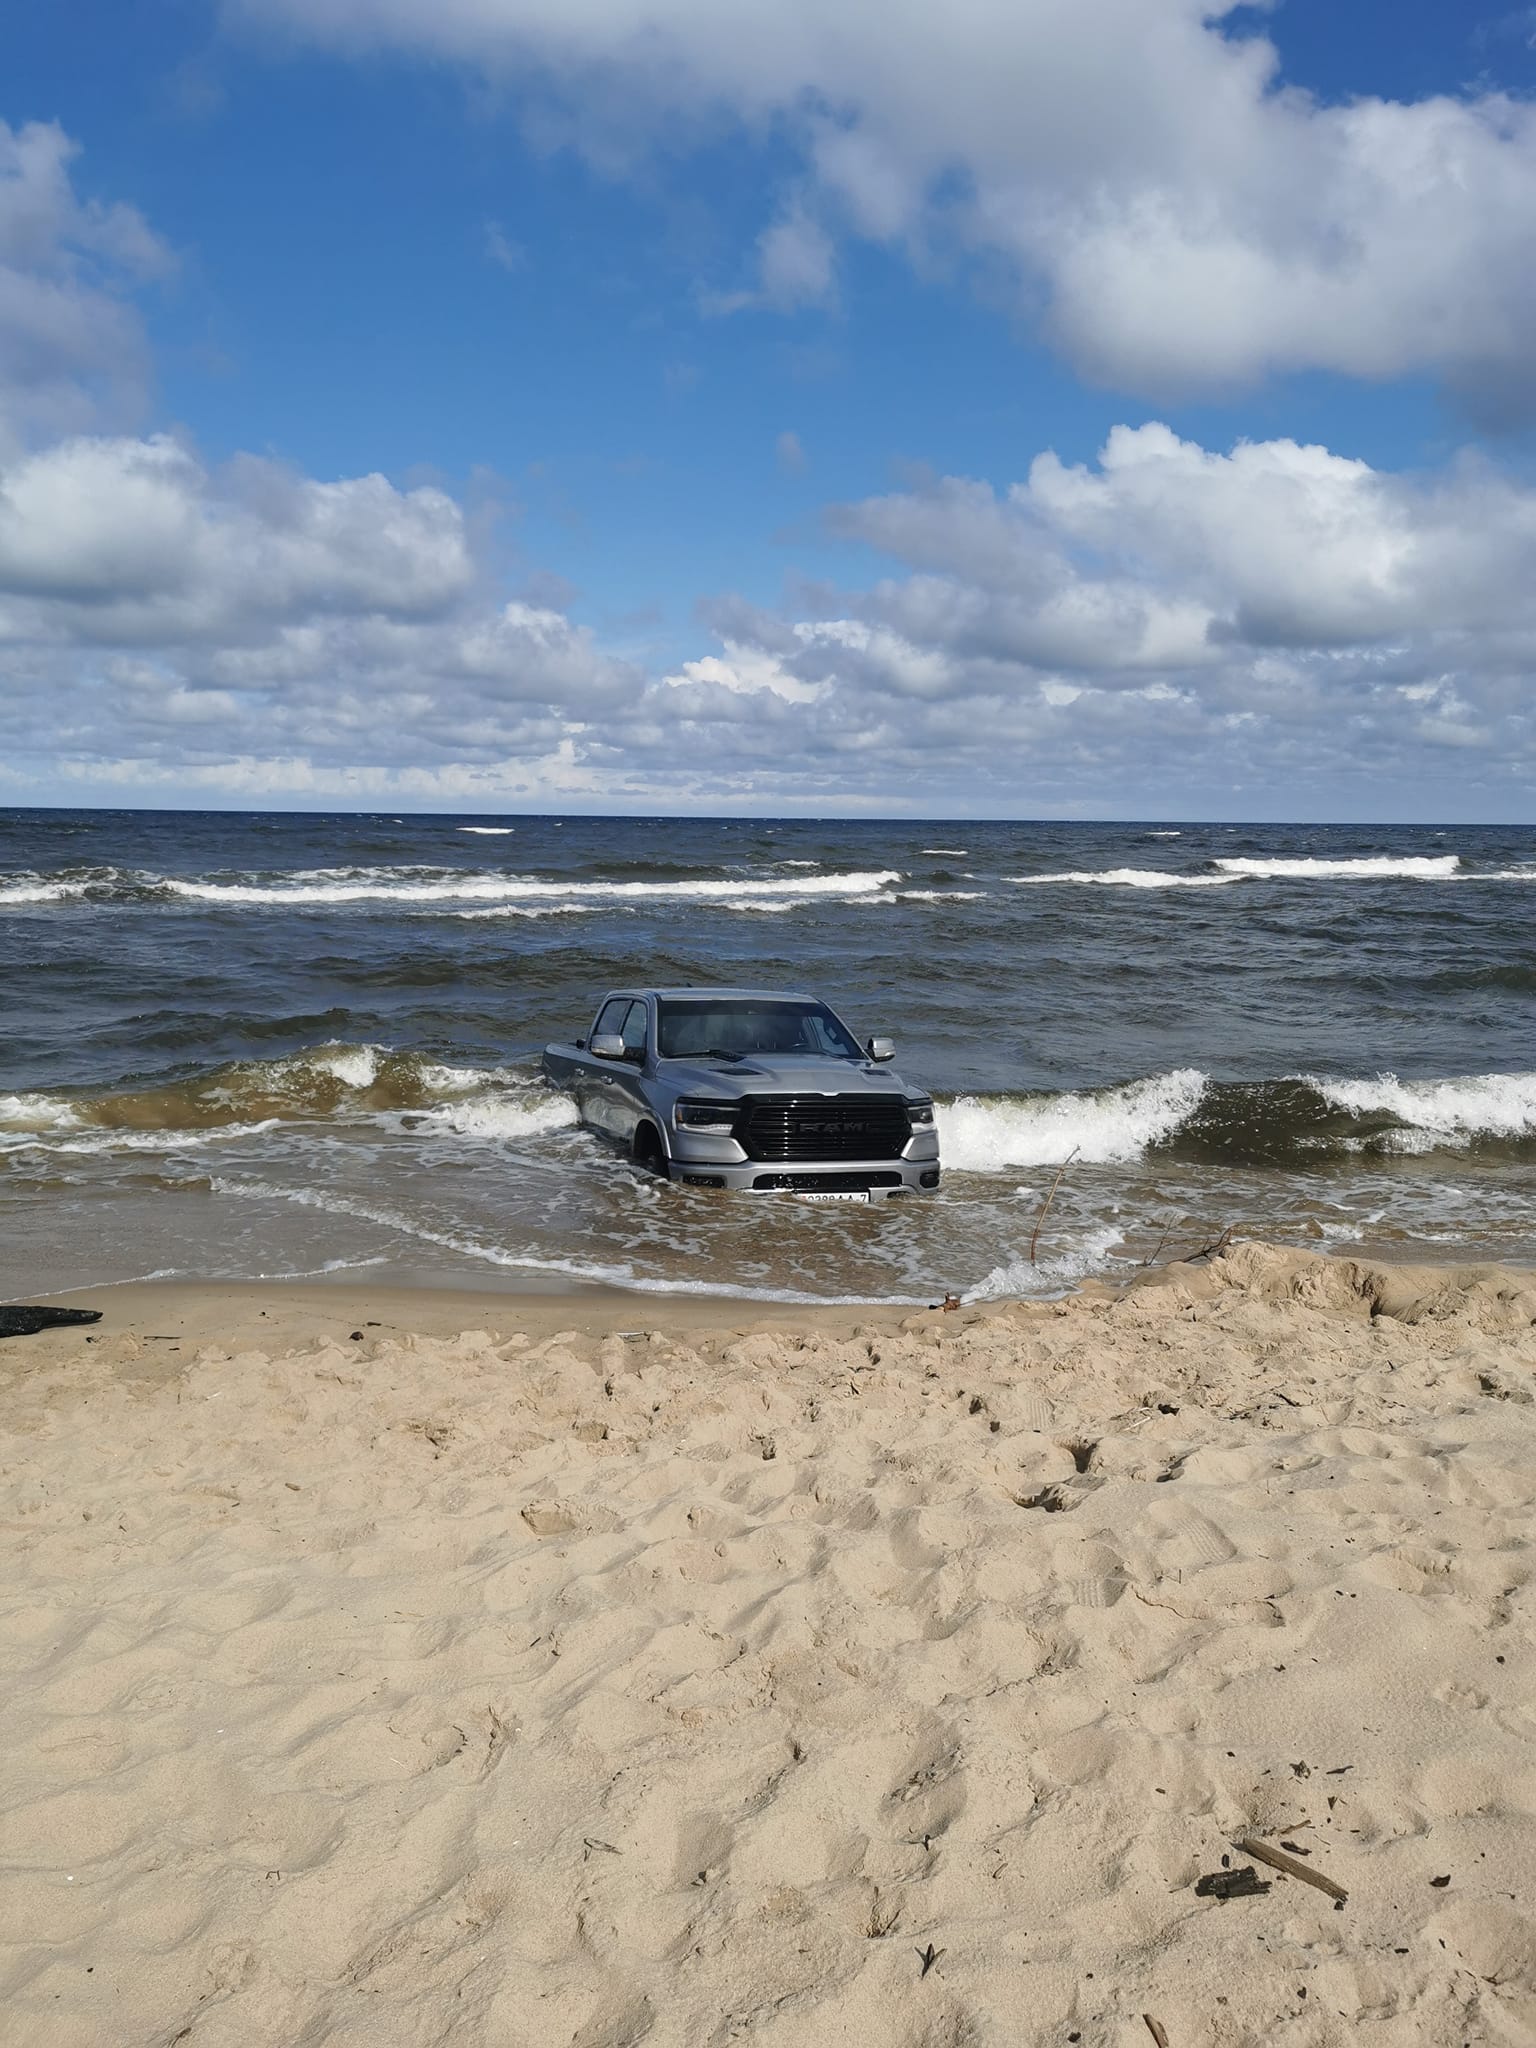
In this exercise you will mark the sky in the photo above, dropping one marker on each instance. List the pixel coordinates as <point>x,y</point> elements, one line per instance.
<point>1019,408</point>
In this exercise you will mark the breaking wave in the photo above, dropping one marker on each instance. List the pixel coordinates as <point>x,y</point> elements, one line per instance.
<point>1415,868</point>
<point>34,889</point>
<point>327,1083</point>
<point>399,886</point>
<point>1102,1127</point>
<point>1299,1122</point>
<point>1132,878</point>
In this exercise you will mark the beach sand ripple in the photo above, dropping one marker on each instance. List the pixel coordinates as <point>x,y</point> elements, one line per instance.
<point>686,1687</point>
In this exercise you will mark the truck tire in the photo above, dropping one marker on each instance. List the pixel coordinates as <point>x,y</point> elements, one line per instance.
<point>649,1155</point>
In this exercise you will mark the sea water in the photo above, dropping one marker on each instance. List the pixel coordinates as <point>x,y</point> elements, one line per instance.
<point>273,1045</point>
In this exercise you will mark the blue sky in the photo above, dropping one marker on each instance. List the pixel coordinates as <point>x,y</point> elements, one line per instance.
<point>668,343</point>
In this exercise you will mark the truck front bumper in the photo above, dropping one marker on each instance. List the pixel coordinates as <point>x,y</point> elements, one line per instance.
<point>702,1160</point>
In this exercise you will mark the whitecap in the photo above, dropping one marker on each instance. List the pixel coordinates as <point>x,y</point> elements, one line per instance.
<point>1102,1127</point>
<point>1438,1113</point>
<point>1433,867</point>
<point>404,886</point>
<point>956,852</point>
<point>1132,878</point>
<point>489,831</point>
<point>500,1116</point>
<point>33,1113</point>
<point>527,910</point>
<point>35,890</point>
<point>354,1066</point>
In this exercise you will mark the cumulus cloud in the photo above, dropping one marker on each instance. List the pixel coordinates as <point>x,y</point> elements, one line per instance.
<point>70,339</point>
<point>1186,220</point>
<point>1173,616</point>
<point>168,625</point>
<point>1209,626</point>
<point>1220,627</point>
<point>146,603</point>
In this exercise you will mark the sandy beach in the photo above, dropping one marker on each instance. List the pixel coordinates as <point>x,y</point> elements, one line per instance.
<point>387,1669</point>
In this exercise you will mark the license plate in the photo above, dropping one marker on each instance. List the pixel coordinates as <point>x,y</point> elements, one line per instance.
<point>836,1195</point>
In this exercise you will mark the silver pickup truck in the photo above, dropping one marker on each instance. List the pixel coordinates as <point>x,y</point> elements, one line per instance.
<point>749,1088</point>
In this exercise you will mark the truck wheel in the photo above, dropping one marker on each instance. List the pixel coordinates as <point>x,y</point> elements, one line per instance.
<point>649,1156</point>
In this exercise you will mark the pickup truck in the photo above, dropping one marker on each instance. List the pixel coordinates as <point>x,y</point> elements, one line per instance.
<point>749,1088</point>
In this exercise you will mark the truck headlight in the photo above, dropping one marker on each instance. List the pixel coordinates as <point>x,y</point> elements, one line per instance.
<point>705,1116</point>
<point>920,1114</point>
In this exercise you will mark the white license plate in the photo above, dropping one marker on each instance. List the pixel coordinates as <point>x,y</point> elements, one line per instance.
<point>835,1195</point>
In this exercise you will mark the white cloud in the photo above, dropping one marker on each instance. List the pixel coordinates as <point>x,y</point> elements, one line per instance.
<point>1220,628</point>
<point>70,343</point>
<point>1188,222</point>
<point>1172,618</point>
<point>167,625</point>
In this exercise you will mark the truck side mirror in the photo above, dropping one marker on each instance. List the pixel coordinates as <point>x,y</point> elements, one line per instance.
<point>881,1048</point>
<point>607,1045</point>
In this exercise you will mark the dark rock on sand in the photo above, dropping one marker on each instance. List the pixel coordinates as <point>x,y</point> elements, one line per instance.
<point>26,1322</point>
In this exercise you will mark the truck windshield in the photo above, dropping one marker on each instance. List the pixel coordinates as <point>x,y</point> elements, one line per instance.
<point>689,1028</point>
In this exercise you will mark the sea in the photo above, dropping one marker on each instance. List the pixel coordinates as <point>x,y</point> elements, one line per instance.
<point>273,1046</point>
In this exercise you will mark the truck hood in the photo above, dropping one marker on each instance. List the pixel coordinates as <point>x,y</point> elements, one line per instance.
<point>795,1074</point>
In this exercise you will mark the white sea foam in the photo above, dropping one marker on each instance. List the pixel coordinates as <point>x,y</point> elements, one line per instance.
<point>354,1066</point>
<point>502,1115</point>
<point>490,831</point>
<point>33,889</point>
<point>398,886</point>
<point>528,910</point>
<point>1433,867</point>
<point>941,895</point>
<point>34,1113</point>
<point>1165,835</point>
<point>1052,1275</point>
<point>591,1270</point>
<point>115,1139</point>
<point>1132,878</point>
<point>1103,1127</point>
<point>1442,1112</point>
<point>958,852</point>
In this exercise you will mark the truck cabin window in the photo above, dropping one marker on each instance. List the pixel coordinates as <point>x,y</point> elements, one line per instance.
<point>690,1029</point>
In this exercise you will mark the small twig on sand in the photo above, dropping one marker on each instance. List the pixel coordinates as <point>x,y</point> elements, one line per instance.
<point>1212,1250</point>
<point>1291,1866</point>
<point>1157,2030</point>
<point>1034,1235</point>
<point>1157,1250</point>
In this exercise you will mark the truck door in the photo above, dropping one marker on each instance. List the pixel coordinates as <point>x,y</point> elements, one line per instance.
<point>596,1081</point>
<point>628,1094</point>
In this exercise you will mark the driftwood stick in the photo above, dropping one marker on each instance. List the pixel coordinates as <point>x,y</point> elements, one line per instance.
<point>1291,1866</point>
<point>1034,1235</point>
<point>1157,2030</point>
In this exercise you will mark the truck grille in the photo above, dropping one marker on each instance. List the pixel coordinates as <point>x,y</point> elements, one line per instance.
<point>796,1127</point>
